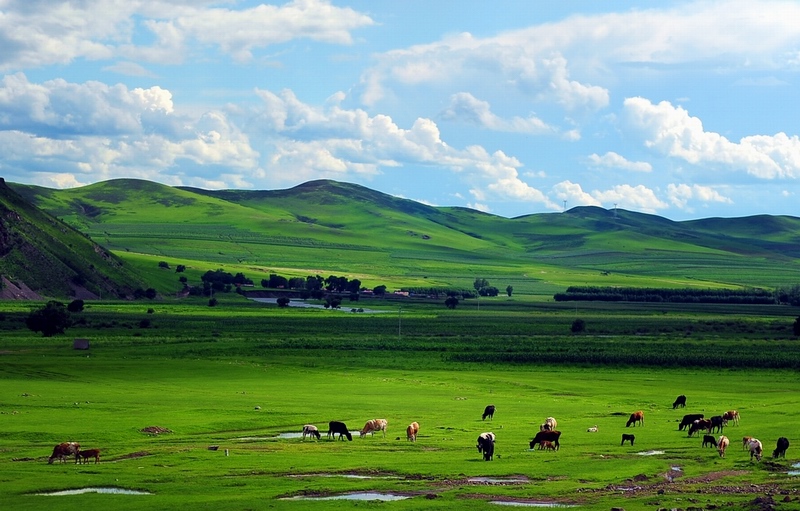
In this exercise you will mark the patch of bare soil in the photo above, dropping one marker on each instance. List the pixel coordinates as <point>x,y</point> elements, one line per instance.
<point>155,430</point>
<point>17,291</point>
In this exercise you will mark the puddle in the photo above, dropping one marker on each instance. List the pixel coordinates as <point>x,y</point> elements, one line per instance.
<point>498,480</point>
<point>304,305</point>
<point>79,491</point>
<point>366,496</point>
<point>794,472</point>
<point>520,503</point>
<point>649,453</point>
<point>676,469</point>
<point>346,476</point>
<point>290,435</point>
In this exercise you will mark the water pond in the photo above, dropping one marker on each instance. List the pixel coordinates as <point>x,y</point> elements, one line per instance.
<point>522,503</point>
<point>305,305</point>
<point>79,491</point>
<point>365,496</point>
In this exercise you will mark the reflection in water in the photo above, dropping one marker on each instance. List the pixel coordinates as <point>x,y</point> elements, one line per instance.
<point>385,497</point>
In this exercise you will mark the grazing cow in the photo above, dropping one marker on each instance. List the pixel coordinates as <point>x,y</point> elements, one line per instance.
<point>549,424</point>
<point>679,401</point>
<point>411,431</point>
<point>335,427</point>
<point>722,444</point>
<point>64,449</point>
<point>688,419</point>
<point>486,445</point>
<point>636,417</point>
<point>709,440</point>
<point>717,422</point>
<point>756,449</point>
<point>488,412</point>
<point>700,425</point>
<point>745,441</point>
<point>548,436</point>
<point>547,446</point>
<point>89,453</point>
<point>731,416</point>
<point>311,431</point>
<point>629,438</point>
<point>374,425</point>
<point>593,429</point>
<point>780,450</point>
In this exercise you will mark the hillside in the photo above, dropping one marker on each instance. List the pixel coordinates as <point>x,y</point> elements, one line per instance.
<point>334,227</point>
<point>41,256</point>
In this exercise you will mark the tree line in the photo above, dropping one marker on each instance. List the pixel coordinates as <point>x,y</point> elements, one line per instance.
<point>631,294</point>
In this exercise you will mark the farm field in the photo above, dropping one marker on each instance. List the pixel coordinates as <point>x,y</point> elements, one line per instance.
<point>246,377</point>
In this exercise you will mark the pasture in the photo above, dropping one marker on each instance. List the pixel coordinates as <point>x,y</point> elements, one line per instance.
<point>239,375</point>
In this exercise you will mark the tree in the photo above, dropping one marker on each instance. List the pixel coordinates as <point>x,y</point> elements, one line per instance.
<point>509,290</point>
<point>451,302</point>
<point>180,268</point>
<point>480,284</point>
<point>578,326</point>
<point>212,302</point>
<point>796,326</point>
<point>51,319</point>
<point>75,306</point>
<point>283,301</point>
<point>379,290</point>
<point>150,293</point>
<point>163,264</point>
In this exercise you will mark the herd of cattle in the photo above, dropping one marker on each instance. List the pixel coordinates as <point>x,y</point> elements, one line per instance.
<point>547,438</point>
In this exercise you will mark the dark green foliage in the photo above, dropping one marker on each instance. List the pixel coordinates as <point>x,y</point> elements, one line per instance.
<point>480,284</point>
<point>631,294</point>
<point>145,323</point>
<point>796,326</point>
<point>163,264</point>
<point>212,302</point>
<point>183,279</point>
<point>75,306</point>
<point>451,302</point>
<point>180,268</point>
<point>151,311</point>
<point>788,295</point>
<point>509,290</point>
<point>51,319</point>
<point>150,293</point>
<point>578,326</point>
<point>283,301</point>
<point>379,290</point>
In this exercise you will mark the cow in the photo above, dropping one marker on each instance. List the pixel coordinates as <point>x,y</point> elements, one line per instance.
<point>745,441</point>
<point>486,445</point>
<point>411,431</point>
<point>709,440</point>
<point>547,446</point>
<point>722,444</point>
<point>731,416</point>
<point>679,401</point>
<point>628,438</point>
<point>717,422</point>
<point>488,412</point>
<point>335,427</point>
<point>637,416</point>
<point>374,425</point>
<point>311,431</point>
<point>64,449</point>
<point>549,424</point>
<point>699,425</point>
<point>756,449</point>
<point>593,429</point>
<point>549,436</point>
<point>780,449</point>
<point>688,419</point>
<point>89,453</point>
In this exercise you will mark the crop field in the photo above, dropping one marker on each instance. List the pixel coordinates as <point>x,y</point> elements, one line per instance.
<point>235,384</point>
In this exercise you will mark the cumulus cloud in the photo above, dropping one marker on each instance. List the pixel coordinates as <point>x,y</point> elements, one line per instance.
<point>573,194</point>
<point>465,107</point>
<point>637,198</point>
<point>615,161</point>
<point>681,194</point>
<point>670,130</point>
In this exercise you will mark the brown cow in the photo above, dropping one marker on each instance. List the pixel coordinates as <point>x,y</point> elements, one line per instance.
<point>411,431</point>
<point>731,416</point>
<point>374,425</point>
<point>637,416</point>
<point>547,446</point>
<point>549,436</point>
<point>64,449</point>
<point>85,455</point>
<point>722,444</point>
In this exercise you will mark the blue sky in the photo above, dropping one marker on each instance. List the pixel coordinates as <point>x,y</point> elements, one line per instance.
<point>685,110</point>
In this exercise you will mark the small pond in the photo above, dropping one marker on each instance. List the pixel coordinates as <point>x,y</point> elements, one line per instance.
<point>522,503</point>
<point>305,305</point>
<point>649,453</point>
<point>79,491</point>
<point>366,496</point>
<point>795,472</point>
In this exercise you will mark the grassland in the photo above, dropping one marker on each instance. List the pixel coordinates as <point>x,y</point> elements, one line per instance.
<point>240,374</point>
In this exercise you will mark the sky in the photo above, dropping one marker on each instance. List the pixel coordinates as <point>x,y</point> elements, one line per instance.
<point>685,110</point>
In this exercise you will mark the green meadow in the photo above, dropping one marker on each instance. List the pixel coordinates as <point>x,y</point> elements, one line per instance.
<point>243,375</point>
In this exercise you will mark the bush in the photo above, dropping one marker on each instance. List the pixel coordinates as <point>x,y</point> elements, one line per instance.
<point>163,264</point>
<point>578,326</point>
<point>75,306</point>
<point>51,319</point>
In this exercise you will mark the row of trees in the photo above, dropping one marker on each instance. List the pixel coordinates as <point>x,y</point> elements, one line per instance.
<point>630,294</point>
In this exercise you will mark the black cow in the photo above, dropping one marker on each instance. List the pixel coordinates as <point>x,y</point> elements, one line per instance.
<point>679,401</point>
<point>699,425</point>
<point>488,412</point>
<point>780,451</point>
<point>626,437</point>
<point>550,436</point>
<point>486,445</point>
<point>709,440</point>
<point>717,422</point>
<point>335,427</point>
<point>689,419</point>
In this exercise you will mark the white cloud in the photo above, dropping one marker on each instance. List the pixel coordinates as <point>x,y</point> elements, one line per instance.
<point>467,108</point>
<point>680,195</point>
<point>615,161</point>
<point>574,194</point>
<point>672,131</point>
<point>625,196</point>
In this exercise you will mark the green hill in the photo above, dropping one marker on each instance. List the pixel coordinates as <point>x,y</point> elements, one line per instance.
<point>339,228</point>
<point>42,254</point>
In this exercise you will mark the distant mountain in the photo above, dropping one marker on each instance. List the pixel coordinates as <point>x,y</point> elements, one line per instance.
<point>340,227</point>
<point>41,256</point>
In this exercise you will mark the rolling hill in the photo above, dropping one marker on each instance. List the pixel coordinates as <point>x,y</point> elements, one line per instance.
<point>340,228</point>
<point>41,256</point>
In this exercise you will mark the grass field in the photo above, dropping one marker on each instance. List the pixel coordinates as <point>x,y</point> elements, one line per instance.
<point>239,375</point>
